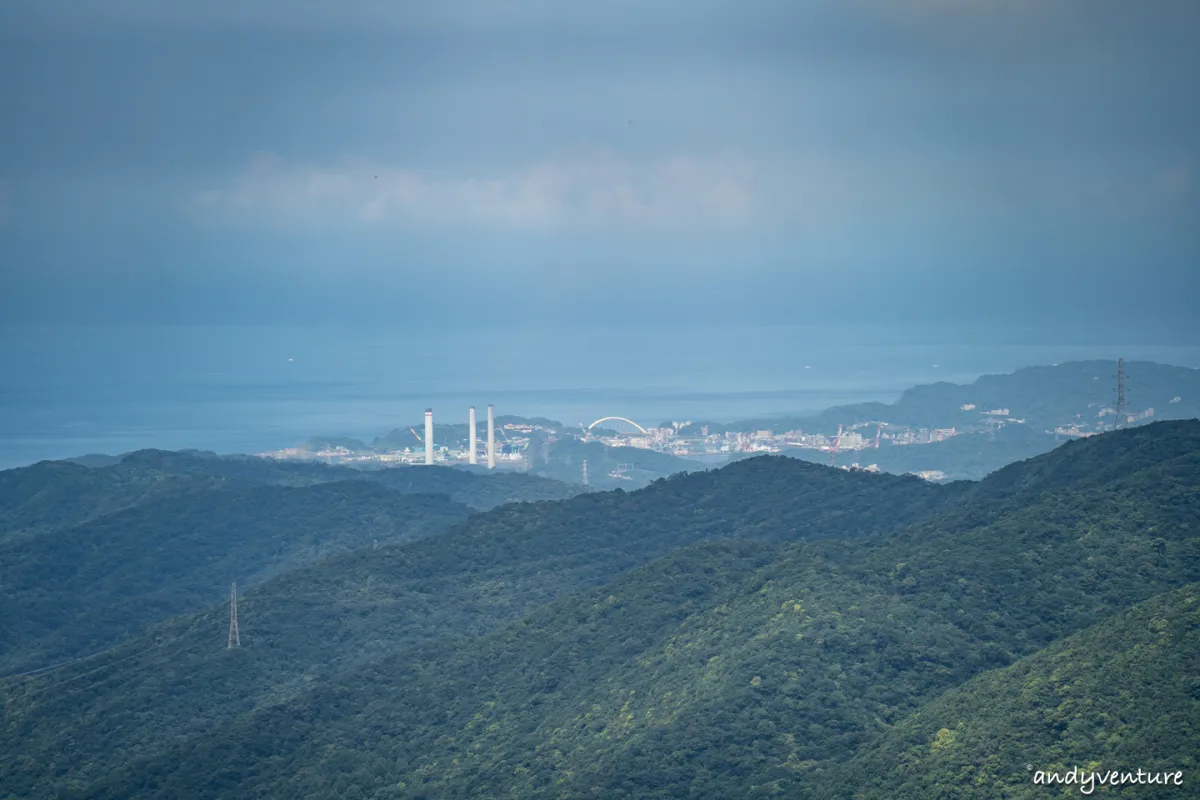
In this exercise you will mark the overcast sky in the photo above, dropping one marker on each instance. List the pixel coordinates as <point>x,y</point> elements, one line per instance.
<point>896,160</point>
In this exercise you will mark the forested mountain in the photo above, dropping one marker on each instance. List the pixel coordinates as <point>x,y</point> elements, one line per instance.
<point>52,494</point>
<point>1122,695</point>
<point>622,655</point>
<point>89,555</point>
<point>77,589</point>
<point>724,670</point>
<point>318,622</point>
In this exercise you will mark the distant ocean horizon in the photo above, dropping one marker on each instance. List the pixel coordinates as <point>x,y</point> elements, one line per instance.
<point>69,392</point>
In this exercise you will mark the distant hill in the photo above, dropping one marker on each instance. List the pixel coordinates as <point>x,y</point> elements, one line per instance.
<point>970,456</point>
<point>56,493</point>
<point>89,555</point>
<point>563,459</point>
<point>76,590</point>
<point>53,494</point>
<point>625,653</point>
<point>1043,396</point>
<point>94,460</point>
<point>317,622</point>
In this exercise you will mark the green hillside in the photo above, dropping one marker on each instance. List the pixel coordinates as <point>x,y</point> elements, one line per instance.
<point>621,655</point>
<point>76,590</point>
<point>315,623</point>
<point>477,489</point>
<point>54,494</point>
<point>1084,463</point>
<point>1123,695</point>
<point>734,670</point>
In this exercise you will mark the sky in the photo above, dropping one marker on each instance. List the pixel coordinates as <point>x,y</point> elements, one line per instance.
<point>899,162</point>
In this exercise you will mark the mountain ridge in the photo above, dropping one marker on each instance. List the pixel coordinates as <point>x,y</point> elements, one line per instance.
<point>764,664</point>
<point>1120,541</point>
<point>76,589</point>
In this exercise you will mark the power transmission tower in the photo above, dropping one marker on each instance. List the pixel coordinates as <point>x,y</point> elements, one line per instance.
<point>235,640</point>
<point>585,477</point>
<point>1120,405</point>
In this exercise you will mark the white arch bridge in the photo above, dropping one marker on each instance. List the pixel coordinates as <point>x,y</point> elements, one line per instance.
<point>618,419</point>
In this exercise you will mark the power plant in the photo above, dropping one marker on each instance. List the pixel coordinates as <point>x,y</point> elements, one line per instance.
<point>472,435</point>
<point>491,437</point>
<point>429,436</point>
<point>472,456</point>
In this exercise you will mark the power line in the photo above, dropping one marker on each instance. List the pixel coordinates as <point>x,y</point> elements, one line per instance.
<point>57,684</point>
<point>200,625</point>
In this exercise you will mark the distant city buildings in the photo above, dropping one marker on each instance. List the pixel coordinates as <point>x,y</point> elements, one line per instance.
<point>673,438</point>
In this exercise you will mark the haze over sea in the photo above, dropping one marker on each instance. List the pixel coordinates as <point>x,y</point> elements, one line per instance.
<point>67,392</point>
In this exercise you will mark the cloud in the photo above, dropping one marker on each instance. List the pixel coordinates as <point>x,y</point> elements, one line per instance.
<point>582,188</point>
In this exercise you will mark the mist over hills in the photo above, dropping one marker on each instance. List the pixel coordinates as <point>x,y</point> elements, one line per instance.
<point>624,651</point>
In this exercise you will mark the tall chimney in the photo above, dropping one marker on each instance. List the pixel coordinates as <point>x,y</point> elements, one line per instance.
<point>471,455</point>
<point>491,437</point>
<point>429,436</point>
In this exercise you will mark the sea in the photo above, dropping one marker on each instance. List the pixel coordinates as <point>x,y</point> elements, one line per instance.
<point>70,391</point>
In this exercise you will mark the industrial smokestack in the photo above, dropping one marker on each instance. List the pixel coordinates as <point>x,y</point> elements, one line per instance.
<point>429,436</point>
<point>472,457</point>
<point>491,437</point>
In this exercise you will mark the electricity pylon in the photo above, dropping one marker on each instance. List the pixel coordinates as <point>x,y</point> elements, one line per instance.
<point>235,640</point>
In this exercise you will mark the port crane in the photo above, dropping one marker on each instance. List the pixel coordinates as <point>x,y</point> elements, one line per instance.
<point>833,451</point>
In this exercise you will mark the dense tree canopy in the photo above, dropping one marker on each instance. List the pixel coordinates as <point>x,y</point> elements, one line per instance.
<point>774,628</point>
